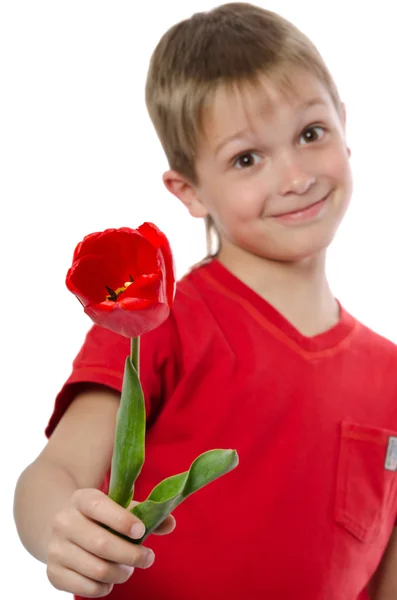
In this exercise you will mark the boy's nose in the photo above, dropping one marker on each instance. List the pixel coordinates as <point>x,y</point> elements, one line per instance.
<point>302,184</point>
<point>295,182</point>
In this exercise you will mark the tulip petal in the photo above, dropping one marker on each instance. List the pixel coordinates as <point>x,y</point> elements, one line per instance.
<point>148,287</point>
<point>131,319</point>
<point>160,242</point>
<point>125,247</point>
<point>88,277</point>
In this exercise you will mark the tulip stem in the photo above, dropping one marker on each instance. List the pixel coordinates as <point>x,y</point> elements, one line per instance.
<point>135,343</point>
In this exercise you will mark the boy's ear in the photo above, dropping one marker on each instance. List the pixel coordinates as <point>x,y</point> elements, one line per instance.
<point>180,187</point>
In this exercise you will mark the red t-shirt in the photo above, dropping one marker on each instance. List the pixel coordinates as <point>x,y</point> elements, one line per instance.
<point>309,510</point>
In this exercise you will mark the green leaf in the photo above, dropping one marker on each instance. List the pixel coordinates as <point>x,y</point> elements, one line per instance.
<point>168,494</point>
<point>129,444</point>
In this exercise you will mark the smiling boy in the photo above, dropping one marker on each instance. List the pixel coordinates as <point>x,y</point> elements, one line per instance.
<point>273,173</point>
<point>257,355</point>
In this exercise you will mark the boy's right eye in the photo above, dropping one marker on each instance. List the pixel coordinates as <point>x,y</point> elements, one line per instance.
<point>245,160</point>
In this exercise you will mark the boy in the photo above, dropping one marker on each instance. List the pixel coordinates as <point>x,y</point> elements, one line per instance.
<point>257,354</point>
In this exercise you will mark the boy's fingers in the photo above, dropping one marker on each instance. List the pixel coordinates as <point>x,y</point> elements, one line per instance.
<point>80,561</point>
<point>99,507</point>
<point>101,543</point>
<point>67,580</point>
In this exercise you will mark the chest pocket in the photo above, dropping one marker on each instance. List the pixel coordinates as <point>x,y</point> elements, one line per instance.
<point>366,480</point>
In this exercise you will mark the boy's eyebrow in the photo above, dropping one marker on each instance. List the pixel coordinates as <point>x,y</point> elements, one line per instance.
<point>240,134</point>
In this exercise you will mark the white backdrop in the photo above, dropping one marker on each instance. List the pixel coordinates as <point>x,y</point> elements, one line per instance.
<point>78,154</point>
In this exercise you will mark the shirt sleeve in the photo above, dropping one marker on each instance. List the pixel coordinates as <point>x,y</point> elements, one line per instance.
<point>101,360</point>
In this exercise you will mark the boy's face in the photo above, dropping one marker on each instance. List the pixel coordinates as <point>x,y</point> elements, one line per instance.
<point>279,189</point>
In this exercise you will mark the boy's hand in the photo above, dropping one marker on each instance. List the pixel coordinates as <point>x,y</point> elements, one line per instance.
<point>86,559</point>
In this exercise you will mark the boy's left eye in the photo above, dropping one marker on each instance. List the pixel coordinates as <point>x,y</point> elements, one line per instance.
<point>311,134</point>
<point>247,159</point>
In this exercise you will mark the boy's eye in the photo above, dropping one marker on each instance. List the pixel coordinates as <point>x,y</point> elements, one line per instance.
<point>245,160</point>
<point>311,134</point>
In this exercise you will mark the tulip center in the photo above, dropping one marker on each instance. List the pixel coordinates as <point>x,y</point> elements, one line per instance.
<point>114,294</point>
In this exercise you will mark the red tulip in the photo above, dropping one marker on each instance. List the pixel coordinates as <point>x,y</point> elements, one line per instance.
<point>124,278</point>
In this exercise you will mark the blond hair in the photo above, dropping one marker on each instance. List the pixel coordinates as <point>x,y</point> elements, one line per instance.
<point>233,44</point>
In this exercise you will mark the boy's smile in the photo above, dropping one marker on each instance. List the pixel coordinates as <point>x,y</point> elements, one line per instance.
<point>273,169</point>
<point>309,211</point>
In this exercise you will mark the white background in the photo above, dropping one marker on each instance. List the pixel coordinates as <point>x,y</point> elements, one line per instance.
<point>78,154</point>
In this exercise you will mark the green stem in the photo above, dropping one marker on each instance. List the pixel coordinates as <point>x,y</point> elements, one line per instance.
<point>135,345</point>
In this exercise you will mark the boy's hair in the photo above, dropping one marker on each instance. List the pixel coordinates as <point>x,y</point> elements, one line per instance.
<point>234,44</point>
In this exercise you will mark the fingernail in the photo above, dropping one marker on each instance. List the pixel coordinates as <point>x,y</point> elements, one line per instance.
<point>149,559</point>
<point>128,569</point>
<point>137,531</point>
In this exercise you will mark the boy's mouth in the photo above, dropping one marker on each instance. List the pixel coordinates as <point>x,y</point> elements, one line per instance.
<point>310,211</point>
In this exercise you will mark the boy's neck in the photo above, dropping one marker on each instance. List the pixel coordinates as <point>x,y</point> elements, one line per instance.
<point>299,291</point>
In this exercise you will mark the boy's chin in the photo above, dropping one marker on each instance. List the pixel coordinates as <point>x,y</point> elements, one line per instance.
<point>296,253</point>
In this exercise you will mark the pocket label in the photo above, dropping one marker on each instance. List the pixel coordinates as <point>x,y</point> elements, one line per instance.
<point>391,454</point>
